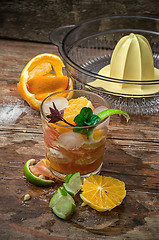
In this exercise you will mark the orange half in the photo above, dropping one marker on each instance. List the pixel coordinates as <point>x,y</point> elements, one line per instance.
<point>37,80</point>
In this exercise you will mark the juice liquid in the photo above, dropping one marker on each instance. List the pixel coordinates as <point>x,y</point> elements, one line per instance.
<point>67,146</point>
<point>84,155</point>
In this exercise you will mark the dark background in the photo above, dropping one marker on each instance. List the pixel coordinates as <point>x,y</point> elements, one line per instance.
<point>33,20</point>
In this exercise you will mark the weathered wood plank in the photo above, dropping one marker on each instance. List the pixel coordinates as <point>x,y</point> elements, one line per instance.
<point>17,54</point>
<point>131,155</point>
<point>35,20</point>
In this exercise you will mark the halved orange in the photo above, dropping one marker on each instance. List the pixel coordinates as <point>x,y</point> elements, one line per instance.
<point>102,193</point>
<point>37,80</point>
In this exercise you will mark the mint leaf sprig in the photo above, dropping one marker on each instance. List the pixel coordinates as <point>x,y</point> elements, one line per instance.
<point>85,118</point>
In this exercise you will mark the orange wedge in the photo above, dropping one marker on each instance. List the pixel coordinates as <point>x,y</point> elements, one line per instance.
<point>102,193</point>
<point>74,107</point>
<point>37,80</point>
<point>72,110</point>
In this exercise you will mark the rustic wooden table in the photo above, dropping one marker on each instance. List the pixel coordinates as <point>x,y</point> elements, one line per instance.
<point>131,155</point>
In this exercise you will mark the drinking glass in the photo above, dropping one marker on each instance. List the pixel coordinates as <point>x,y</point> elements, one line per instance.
<point>68,151</point>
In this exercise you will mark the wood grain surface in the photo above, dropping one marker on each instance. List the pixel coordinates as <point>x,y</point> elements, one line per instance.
<point>34,20</point>
<point>131,155</point>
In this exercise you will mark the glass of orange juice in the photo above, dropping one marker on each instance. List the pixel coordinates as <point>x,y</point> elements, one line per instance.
<point>68,147</point>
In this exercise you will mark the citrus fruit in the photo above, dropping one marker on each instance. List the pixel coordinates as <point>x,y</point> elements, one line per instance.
<point>38,169</point>
<point>109,112</point>
<point>37,80</point>
<point>74,107</point>
<point>62,204</point>
<point>96,134</point>
<point>102,193</point>
<point>72,183</point>
<point>71,111</point>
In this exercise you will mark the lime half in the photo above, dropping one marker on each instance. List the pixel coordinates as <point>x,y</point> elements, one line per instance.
<point>73,183</point>
<point>62,204</point>
<point>32,178</point>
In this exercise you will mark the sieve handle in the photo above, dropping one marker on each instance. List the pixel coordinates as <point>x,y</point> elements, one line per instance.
<point>57,35</point>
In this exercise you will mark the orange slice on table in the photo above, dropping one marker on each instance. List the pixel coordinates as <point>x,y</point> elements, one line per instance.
<point>37,80</point>
<point>102,193</point>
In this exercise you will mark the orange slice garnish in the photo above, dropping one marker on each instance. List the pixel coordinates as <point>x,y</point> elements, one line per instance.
<point>37,80</point>
<point>71,111</point>
<point>74,107</point>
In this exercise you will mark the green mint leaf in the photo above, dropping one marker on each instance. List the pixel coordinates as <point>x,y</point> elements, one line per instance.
<point>79,120</point>
<point>85,118</point>
<point>82,131</point>
<point>86,131</point>
<point>89,132</point>
<point>86,110</point>
<point>91,119</point>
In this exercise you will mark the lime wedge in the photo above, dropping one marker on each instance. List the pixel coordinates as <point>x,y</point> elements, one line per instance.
<point>60,192</point>
<point>105,114</point>
<point>109,112</point>
<point>72,183</point>
<point>62,204</point>
<point>68,176</point>
<point>32,178</point>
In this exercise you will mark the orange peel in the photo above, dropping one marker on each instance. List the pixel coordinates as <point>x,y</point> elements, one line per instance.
<point>37,80</point>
